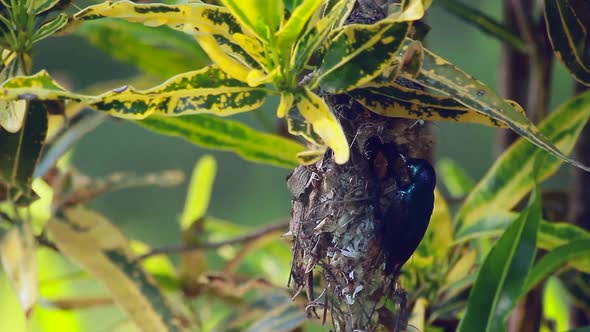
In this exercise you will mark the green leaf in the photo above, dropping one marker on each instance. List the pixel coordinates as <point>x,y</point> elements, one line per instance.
<point>223,134</point>
<point>551,234</point>
<point>395,100</point>
<point>296,23</point>
<point>456,180</point>
<point>503,274</point>
<point>19,152</point>
<point>199,191</point>
<point>262,17</point>
<point>315,35</point>
<point>49,28</point>
<point>483,22</point>
<point>44,5</point>
<point>208,90</point>
<point>103,251</point>
<point>554,259</point>
<point>160,51</point>
<point>567,26</point>
<point>358,53</point>
<point>508,180</point>
<point>441,76</point>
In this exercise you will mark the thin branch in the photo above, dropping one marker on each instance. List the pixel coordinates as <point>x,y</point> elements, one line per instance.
<point>213,245</point>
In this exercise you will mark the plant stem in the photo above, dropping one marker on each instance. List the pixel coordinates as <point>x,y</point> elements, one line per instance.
<point>272,228</point>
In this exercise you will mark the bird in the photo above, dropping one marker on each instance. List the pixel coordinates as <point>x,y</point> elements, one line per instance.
<point>405,220</point>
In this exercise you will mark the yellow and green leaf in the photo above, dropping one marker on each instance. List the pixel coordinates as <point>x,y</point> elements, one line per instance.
<point>568,29</point>
<point>208,90</point>
<point>317,113</point>
<point>442,76</point>
<point>508,180</point>
<point>223,134</point>
<point>50,27</point>
<point>395,100</point>
<point>358,53</point>
<point>263,17</point>
<point>317,32</point>
<point>102,250</point>
<point>296,23</point>
<point>552,234</point>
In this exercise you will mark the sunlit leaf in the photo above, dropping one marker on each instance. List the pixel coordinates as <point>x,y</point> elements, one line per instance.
<point>567,26</point>
<point>551,234</point>
<point>199,191</point>
<point>262,17</point>
<point>483,22</point>
<point>503,274</point>
<point>316,112</point>
<point>556,258</point>
<point>17,253</point>
<point>102,250</point>
<point>442,76</point>
<point>293,27</point>
<point>456,180</point>
<point>508,180</point>
<point>13,317</point>
<point>208,90</point>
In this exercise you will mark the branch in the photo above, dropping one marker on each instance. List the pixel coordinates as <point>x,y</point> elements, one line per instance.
<point>213,245</point>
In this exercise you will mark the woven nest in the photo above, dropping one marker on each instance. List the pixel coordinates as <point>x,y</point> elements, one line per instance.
<point>337,251</point>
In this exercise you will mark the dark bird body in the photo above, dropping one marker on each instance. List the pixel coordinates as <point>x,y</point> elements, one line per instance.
<point>404,221</point>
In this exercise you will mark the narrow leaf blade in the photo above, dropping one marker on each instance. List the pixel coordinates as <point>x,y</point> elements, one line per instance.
<point>503,274</point>
<point>508,180</point>
<point>95,244</point>
<point>440,75</point>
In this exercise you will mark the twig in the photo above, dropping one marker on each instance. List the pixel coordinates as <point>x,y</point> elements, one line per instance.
<point>213,245</point>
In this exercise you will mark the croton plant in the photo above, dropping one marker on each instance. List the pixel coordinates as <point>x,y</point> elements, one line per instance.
<point>345,73</point>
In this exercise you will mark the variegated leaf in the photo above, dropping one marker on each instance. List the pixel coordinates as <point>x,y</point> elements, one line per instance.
<point>398,101</point>
<point>317,113</point>
<point>317,32</point>
<point>442,76</point>
<point>208,90</point>
<point>224,134</point>
<point>552,234</point>
<point>263,17</point>
<point>49,28</point>
<point>508,180</point>
<point>93,242</point>
<point>358,53</point>
<point>568,23</point>
<point>214,27</point>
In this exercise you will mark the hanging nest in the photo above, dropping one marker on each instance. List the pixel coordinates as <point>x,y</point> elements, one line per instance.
<point>336,222</point>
